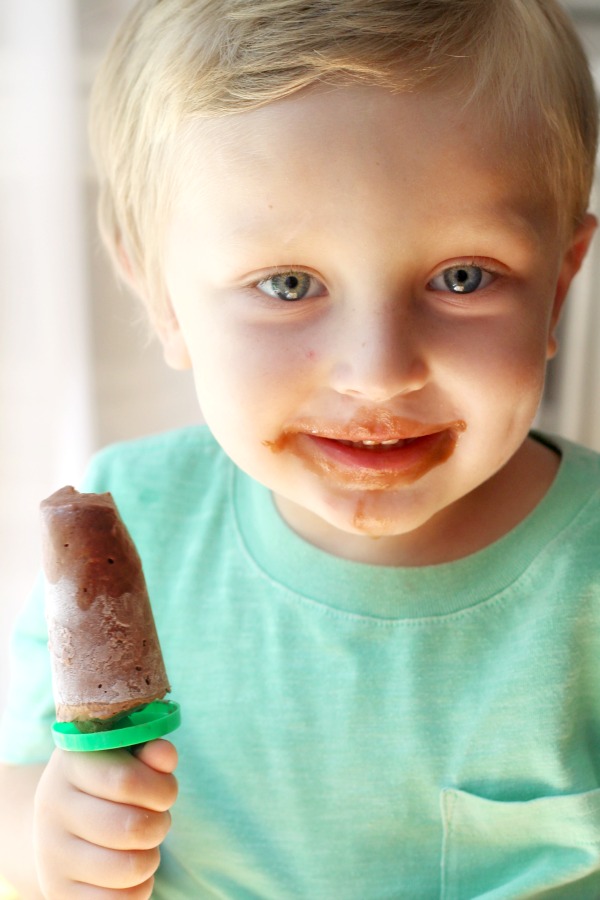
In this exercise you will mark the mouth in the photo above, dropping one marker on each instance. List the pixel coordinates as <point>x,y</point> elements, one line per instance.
<point>373,451</point>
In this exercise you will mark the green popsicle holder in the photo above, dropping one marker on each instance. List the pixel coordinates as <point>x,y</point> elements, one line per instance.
<point>153,721</point>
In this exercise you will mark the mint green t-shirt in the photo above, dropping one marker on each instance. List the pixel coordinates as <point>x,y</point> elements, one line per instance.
<point>355,732</point>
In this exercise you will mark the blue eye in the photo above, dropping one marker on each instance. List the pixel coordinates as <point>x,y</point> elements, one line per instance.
<point>290,286</point>
<point>461,279</point>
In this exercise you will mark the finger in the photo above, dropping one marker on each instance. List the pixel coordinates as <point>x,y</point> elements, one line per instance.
<point>62,859</point>
<point>88,864</point>
<point>119,776</point>
<point>114,826</point>
<point>160,755</point>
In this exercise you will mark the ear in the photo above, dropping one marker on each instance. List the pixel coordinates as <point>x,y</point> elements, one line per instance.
<point>125,268</point>
<point>175,349</point>
<point>572,260</point>
<point>167,328</point>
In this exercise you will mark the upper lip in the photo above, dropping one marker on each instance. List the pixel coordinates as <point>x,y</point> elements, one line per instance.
<point>377,426</point>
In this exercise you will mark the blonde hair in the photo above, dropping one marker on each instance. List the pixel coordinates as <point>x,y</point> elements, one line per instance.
<point>177,60</point>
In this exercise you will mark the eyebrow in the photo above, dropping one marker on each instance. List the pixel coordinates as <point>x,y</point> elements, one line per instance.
<point>510,227</point>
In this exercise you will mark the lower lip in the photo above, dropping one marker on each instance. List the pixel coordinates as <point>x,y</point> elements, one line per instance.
<point>381,468</point>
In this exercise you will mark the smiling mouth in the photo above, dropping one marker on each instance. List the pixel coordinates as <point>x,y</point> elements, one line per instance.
<point>376,450</point>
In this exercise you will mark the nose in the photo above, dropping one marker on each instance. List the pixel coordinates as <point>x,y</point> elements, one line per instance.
<point>380,354</point>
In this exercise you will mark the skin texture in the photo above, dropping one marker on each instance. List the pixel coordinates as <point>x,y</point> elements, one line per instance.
<point>366,199</point>
<point>99,821</point>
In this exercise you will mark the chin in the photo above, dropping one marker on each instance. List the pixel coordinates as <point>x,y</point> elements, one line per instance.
<point>367,519</point>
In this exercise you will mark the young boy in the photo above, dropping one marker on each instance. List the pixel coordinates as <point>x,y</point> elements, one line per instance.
<point>378,593</point>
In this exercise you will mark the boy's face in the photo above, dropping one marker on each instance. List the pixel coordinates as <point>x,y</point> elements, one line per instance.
<point>350,269</point>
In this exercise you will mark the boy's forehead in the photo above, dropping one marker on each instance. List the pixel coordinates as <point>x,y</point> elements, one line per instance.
<point>275,129</point>
<point>357,139</point>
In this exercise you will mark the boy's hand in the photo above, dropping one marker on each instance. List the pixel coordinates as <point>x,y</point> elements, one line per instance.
<point>99,820</point>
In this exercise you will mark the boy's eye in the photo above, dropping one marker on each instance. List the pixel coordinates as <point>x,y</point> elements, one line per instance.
<point>291,286</point>
<point>461,279</point>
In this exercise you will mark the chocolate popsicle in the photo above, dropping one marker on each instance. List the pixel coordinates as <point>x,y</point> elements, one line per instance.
<point>106,657</point>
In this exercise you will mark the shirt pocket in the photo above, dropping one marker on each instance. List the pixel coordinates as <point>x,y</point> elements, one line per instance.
<point>543,848</point>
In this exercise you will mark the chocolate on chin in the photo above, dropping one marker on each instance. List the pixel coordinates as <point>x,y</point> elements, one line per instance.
<point>104,648</point>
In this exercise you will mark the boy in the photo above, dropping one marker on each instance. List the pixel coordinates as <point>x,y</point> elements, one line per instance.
<point>378,593</point>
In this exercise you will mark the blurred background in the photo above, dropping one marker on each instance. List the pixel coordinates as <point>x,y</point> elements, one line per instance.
<point>77,368</point>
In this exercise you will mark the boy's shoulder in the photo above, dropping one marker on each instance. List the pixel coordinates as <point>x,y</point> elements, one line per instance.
<point>155,466</point>
<point>570,513</point>
<point>580,464</point>
<point>151,447</point>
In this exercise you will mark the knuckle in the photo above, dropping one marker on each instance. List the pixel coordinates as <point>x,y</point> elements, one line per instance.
<point>137,828</point>
<point>144,829</point>
<point>141,865</point>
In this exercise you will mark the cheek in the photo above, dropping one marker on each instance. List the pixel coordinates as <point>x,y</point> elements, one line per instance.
<point>517,389</point>
<point>251,371</point>
<point>498,372</point>
<point>512,350</point>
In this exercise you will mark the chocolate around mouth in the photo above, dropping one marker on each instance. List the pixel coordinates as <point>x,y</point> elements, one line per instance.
<point>368,429</point>
<point>370,464</point>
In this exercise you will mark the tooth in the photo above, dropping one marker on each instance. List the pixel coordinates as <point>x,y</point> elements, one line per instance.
<point>369,444</point>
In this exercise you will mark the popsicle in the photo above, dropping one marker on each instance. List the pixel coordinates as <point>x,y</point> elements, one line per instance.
<point>104,648</point>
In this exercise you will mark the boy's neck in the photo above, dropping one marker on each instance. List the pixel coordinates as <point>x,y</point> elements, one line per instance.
<point>470,525</point>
